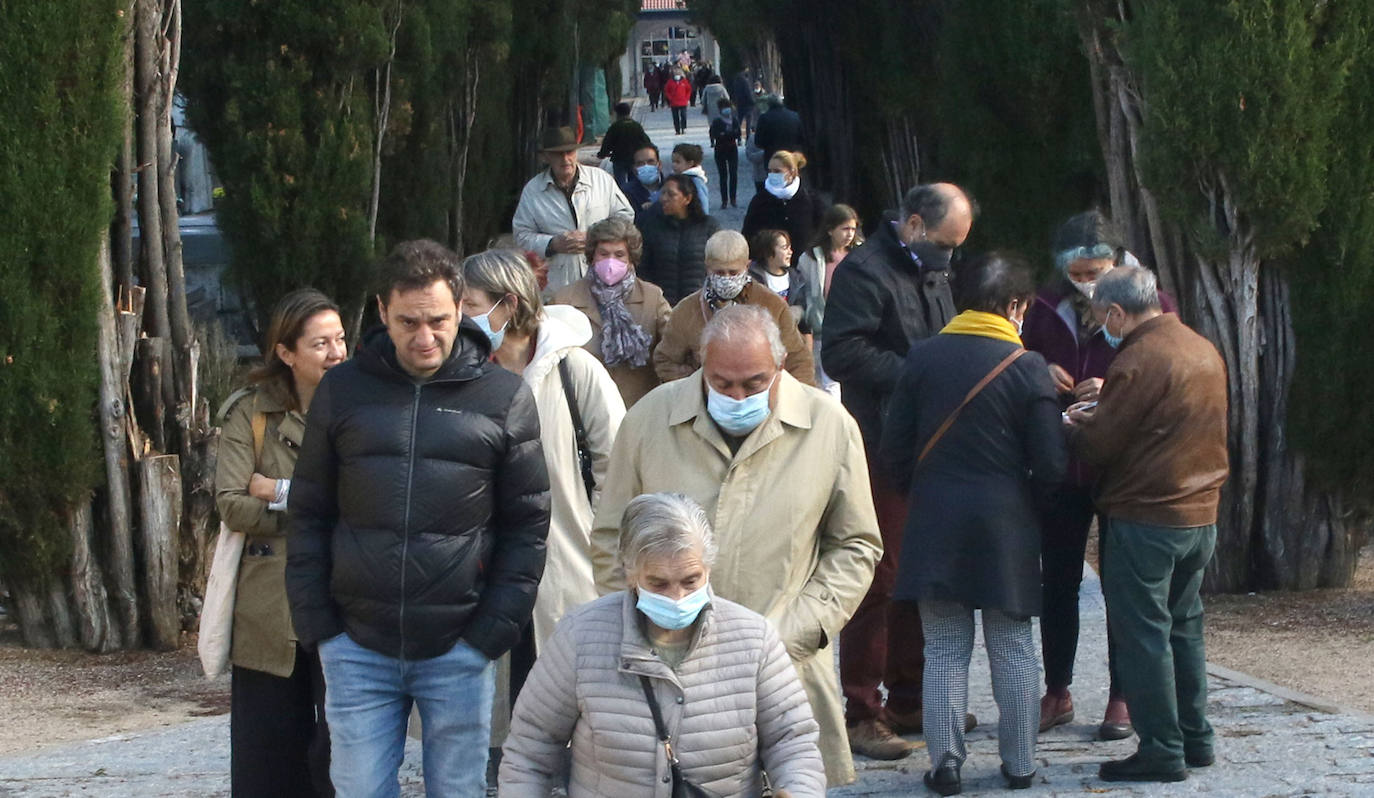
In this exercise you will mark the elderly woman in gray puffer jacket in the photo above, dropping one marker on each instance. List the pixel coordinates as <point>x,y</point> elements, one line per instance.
<point>729,698</point>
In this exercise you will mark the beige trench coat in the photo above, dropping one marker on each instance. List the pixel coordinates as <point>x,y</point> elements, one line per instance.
<point>567,580</point>
<point>545,211</point>
<point>793,518</point>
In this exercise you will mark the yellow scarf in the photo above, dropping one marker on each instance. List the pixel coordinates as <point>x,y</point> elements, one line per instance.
<point>988,325</point>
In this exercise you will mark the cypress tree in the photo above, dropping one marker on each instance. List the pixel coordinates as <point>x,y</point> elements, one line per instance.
<point>59,134</point>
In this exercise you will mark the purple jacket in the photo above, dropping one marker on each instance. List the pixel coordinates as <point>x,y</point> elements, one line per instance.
<point>1049,334</point>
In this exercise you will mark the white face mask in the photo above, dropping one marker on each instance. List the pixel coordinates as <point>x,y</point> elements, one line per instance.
<point>1086,289</point>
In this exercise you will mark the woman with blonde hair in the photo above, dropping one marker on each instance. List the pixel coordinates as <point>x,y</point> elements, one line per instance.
<point>785,203</point>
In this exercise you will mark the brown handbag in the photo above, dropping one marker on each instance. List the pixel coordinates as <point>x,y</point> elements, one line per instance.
<point>983,383</point>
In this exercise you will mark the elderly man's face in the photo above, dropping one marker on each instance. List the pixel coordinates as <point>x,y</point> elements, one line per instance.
<point>563,165</point>
<point>741,368</point>
<point>673,577</point>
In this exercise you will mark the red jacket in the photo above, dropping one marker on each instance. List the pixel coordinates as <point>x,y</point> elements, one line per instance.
<point>678,92</point>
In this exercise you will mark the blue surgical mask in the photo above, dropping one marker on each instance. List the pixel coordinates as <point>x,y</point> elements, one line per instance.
<point>725,113</point>
<point>495,336</point>
<point>648,174</point>
<point>667,613</point>
<point>738,416</point>
<point>776,180</point>
<point>1114,341</point>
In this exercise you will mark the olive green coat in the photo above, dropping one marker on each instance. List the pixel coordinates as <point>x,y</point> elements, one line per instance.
<point>263,638</point>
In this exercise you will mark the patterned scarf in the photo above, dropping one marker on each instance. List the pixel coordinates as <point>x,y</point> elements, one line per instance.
<point>622,340</point>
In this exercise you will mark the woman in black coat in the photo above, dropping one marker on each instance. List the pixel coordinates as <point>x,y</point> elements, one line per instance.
<point>972,540</point>
<point>784,204</point>
<point>675,232</point>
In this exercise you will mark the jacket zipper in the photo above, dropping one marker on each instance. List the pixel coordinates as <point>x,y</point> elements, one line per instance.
<point>405,523</point>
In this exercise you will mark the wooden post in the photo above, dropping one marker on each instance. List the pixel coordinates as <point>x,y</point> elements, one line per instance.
<point>159,499</point>
<point>95,627</point>
<point>114,430</point>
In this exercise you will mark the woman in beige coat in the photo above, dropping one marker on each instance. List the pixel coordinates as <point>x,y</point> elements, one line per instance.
<point>730,701</point>
<point>545,346</point>
<point>279,743</point>
<point>627,314</point>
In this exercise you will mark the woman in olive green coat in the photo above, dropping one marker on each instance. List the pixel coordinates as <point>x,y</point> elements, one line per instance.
<point>279,743</point>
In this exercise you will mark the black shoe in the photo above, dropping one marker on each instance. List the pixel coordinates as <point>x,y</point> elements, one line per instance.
<point>944,781</point>
<point>1017,782</point>
<point>1199,759</point>
<point>1133,768</point>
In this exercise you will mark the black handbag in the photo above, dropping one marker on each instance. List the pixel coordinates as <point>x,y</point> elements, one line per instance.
<point>584,452</point>
<point>682,788</point>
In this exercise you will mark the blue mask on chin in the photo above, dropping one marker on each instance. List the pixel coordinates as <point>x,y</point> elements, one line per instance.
<point>667,613</point>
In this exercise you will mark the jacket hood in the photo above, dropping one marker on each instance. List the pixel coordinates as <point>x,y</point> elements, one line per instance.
<point>561,327</point>
<point>471,351</point>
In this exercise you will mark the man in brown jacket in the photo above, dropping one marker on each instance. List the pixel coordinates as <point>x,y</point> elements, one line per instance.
<point>1158,436</point>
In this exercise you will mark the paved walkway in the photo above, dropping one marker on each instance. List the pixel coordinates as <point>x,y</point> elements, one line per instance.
<point>659,125</point>
<point>1270,742</point>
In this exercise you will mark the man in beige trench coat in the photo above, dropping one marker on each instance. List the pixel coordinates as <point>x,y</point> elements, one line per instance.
<point>779,467</point>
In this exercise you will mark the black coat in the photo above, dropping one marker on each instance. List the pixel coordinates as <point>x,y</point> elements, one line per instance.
<point>798,217</point>
<point>418,511</point>
<point>674,252</point>
<point>623,139</point>
<point>973,533</point>
<point>779,129</point>
<point>880,303</point>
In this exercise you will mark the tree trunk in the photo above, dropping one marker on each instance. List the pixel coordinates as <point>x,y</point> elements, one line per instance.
<point>462,115</point>
<point>121,230</point>
<point>96,627</point>
<point>179,318</point>
<point>30,609</point>
<point>159,497</point>
<point>151,362</point>
<point>114,424</point>
<point>147,57</point>
<point>60,614</point>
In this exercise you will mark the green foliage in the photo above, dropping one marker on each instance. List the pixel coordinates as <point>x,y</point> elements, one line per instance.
<point>58,137</point>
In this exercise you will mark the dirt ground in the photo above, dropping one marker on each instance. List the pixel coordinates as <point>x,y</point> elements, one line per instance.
<point>1319,643</point>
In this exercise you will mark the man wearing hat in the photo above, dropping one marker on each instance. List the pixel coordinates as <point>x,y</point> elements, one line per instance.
<point>560,203</point>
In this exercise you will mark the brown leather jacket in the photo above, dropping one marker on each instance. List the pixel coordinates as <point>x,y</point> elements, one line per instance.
<point>678,355</point>
<point>1159,431</point>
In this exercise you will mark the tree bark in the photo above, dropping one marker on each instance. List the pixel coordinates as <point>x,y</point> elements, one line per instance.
<point>148,18</point>
<point>30,609</point>
<point>121,230</point>
<point>462,115</point>
<point>114,424</point>
<point>179,319</point>
<point>96,629</point>
<point>159,495</point>
<point>151,362</point>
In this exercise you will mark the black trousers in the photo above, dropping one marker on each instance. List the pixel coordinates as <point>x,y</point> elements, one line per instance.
<point>278,738</point>
<point>679,118</point>
<point>1063,543</point>
<point>727,162</point>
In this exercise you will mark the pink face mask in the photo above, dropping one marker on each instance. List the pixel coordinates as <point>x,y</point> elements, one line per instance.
<point>611,270</point>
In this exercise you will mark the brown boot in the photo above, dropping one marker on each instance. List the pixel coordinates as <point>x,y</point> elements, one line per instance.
<point>913,722</point>
<point>1056,709</point>
<point>873,739</point>
<point>1116,724</point>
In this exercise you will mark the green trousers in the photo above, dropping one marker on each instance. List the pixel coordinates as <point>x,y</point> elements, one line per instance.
<point>1151,577</point>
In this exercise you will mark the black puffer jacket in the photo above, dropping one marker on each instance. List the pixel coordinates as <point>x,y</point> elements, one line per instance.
<point>674,252</point>
<point>418,511</point>
<point>880,303</point>
<point>798,217</point>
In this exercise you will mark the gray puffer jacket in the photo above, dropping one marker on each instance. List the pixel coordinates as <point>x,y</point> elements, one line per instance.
<point>734,708</point>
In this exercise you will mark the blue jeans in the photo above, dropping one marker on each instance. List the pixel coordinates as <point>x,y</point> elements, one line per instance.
<point>367,699</point>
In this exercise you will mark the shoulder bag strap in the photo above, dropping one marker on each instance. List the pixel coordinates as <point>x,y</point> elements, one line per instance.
<point>659,727</point>
<point>584,452</point>
<point>977,389</point>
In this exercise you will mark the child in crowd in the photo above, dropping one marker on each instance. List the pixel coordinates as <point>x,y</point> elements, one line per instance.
<point>687,161</point>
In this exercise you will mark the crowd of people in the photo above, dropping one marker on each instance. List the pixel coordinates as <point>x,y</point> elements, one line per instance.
<point>659,470</point>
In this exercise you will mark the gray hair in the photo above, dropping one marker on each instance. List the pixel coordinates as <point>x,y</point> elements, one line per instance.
<point>498,272</point>
<point>740,324</point>
<point>663,525</point>
<point>1134,288</point>
<point>725,247</point>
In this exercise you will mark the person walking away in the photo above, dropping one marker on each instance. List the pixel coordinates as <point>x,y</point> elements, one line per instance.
<point>725,138</point>
<point>741,91</point>
<point>711,96</point>
<point>678,91</point>
<point>665,653</point>
<point>686,160</point>
<point>1158,439</point>
<point>886,295</point>
<point>278,734</point>
<point>1060,325</point>
<point>786,203</point>
<point>731,436</point>
<point>770,254</point>
<point>675,234</point>
<point>623,139</point>
<point>407,587</point>
<point>727,283</point>
<point>973,433</point>
<point>779,128</point>
<point>558,205</point>
<point>653,86</point>
<point>839,233</point>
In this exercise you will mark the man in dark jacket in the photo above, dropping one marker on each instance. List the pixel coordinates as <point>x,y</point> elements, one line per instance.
<point>779,128</point>
<point>1158,438</point>
<point>419,510</point>
<point>623,138</point>
<point>890,292</point>
<point>741,90</point>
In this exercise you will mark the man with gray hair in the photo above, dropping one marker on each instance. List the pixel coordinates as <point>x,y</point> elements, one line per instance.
<point>779,468</point>
<point>1157,434</point>
<point>890,292</point>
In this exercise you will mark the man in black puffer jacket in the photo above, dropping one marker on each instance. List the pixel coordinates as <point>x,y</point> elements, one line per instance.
<point>419,509</point>
<point>890,292</point>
